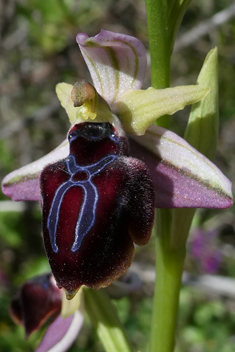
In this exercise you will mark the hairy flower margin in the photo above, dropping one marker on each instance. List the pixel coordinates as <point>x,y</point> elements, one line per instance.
<point>182,177</point>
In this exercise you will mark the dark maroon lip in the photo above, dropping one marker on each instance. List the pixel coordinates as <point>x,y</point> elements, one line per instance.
<point>93,131</point>
<point>97,203</point>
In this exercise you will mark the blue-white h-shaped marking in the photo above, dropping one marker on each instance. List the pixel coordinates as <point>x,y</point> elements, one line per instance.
<point>87,214</point>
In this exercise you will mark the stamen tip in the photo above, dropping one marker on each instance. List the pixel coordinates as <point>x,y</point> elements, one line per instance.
<point>81,92</point>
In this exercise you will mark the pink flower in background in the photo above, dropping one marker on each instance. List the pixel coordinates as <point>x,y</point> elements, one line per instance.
<point>205,251</point>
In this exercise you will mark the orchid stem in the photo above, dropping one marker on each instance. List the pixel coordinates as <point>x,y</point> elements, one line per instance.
<point>158,33</point>
<point>169,260</point>
<point>159,46</point>
<point>169,268</point>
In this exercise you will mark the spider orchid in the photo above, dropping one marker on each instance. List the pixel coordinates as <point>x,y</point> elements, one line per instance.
<point>97,190</point>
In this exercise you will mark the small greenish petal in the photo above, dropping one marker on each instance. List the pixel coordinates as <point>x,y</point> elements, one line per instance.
<point>93,109</point>
<point>69,307</point>
<point>138,109</point>
<point>63,91</point>
<point>203,124</point>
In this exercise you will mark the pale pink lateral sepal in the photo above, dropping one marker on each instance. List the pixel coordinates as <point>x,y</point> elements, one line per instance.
<point>23,184</point>
<point>117,62</point>
<point>61,333</point>
<point>183,177</point>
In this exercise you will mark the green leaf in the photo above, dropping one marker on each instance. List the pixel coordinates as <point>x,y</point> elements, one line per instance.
<point>177,9</point>
<point>202,134</point>
<point>203,124</point>
<point>104,316</point>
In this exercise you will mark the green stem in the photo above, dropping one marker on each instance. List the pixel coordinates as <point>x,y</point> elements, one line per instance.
<point>169,268</point>
<point>169,263</point>
<point>158,34</point>
<point>163,22</point>
<point>104,316</point>
<point>159,46</point>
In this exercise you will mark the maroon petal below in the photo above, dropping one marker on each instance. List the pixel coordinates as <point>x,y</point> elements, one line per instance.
<point>37,300</point>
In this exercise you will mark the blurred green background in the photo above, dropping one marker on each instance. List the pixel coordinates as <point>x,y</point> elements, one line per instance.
<point>38,50</point>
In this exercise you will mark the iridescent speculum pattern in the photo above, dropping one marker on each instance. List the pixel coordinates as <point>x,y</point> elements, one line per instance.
<point>87,214</point>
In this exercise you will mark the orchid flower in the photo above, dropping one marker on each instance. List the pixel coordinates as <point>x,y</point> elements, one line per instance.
<point>39,299</point>
<point>98,196</point>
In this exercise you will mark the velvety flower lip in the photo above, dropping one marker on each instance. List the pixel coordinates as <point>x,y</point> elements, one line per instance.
<point>96,203</point>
